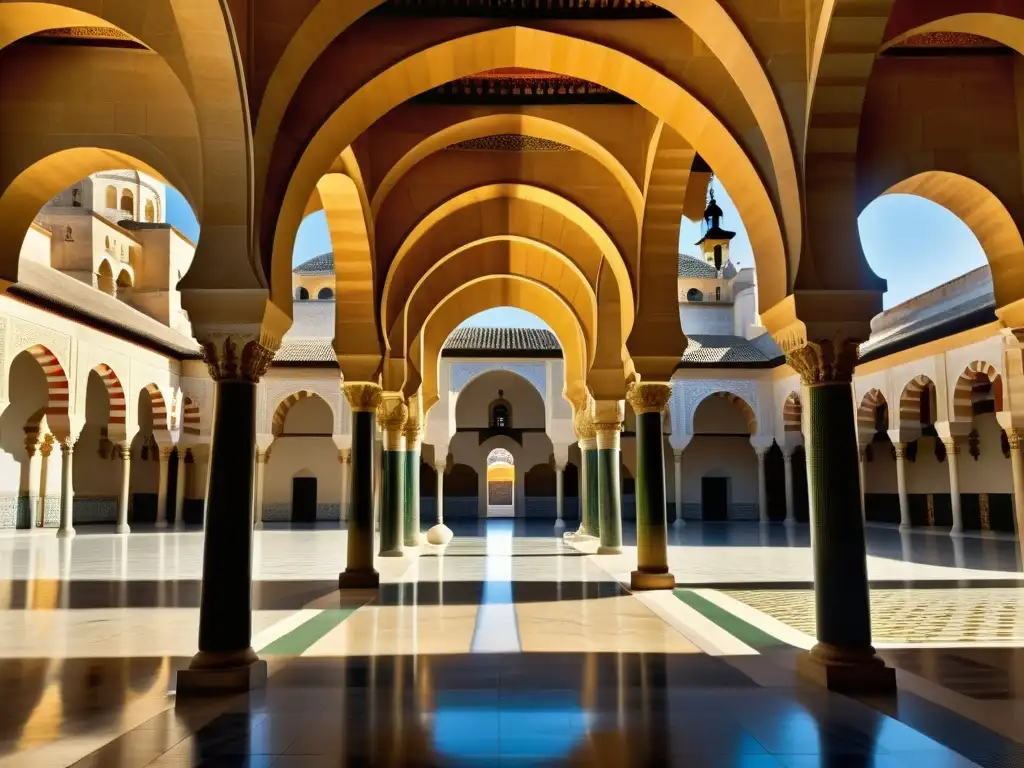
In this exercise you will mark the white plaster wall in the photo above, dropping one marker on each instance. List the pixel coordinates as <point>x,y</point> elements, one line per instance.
<point>707,318</point>
<point>731,457</point>
<point>36,247</point>
<point>471,408</point>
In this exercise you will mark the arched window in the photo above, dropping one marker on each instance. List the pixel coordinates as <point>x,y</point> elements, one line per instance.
<point>127,201</point>
<point>718,293</point>
<point>718,257</point>
<point>68,236</point>
<point>694,295</point>
<point>106,244</point>
<point>111,201</point>
<point>301,294</point>
<point>76,197</point>
<point>150,211</point>
<point>325,293</point>
<point>501,412</point>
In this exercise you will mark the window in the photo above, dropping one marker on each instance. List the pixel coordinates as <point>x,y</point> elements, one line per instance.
<point>127,201</point>
<point>68,236</point>
<point>325,293</point>
<point>718,294</point>
<point>499,416</point>
<point>111,201</point>
<point>150,211</point>
<point>76,197</point>
<point>301,294</point>
<point>718,257</point>
<point>694,295</point>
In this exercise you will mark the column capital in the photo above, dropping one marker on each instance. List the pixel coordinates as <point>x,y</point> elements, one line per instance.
<point>677,454</point>
<point>830,361</point>
<point>238,355</point>
<point>392,415</point>
<point>165,452</point>
<point>608,416</point>
<point>45,445</point>
<point>787,455</point>
<point>413,432</point>
<point>67,447</point>
<point>583,424</point>
<point>1013,436</point>
<point>951,445</point>
<point>901,450</point>
<point>649,397</point>
<point>345,455</point>
<point>362,396</point>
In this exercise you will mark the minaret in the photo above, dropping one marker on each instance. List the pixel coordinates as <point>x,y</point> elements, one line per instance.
<point>715,243</point>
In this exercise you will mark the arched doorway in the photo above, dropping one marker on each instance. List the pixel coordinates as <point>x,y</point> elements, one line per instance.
<point>501,481</point>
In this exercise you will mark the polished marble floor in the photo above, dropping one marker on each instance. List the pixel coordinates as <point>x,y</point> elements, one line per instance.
<point>510,647</point>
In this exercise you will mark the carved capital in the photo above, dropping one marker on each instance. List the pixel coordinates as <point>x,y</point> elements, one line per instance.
<point>648,397</point>
<point>900,450</point>
<point>46,445</point>
<point>608,416</point>
<point>830,361</point>
<point>392,414</point>
<point>241,356</point>
<point>951,446</point>
<point>166,451</point>
<point>345,455</point>
<point>413,432</point>
<point>583,423</point>
<point>362,396</point>
<point>1013,437</point>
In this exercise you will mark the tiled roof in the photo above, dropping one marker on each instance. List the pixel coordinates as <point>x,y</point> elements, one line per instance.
<point>690,266</point>
<point>502,340</point>
<point>306,351</point>
<point>318,265</point>
<point>706,349</point>
<point>969,314</point>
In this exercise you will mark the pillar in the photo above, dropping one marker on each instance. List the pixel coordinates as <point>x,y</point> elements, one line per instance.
<point>440,534</point>
<point>124,496</point>
<point>345,460</point>
<point>392,414</point>
<point>901,485</point>
<point>45,449</point>
<point>226,661</point>
<point>161,493</point>
<point>262,457</point>
<point>861,470</point>
<point>33,447</point>
<point>843,659</point>
<point>179,489</point>
<point>363,398</point>
<point>1017,467</point>
<point>787,460</point>
<point>648,401</point>
<point>677,460</point>
<point>953,460</point>
<point>608,417</point>
<point>586,439</point>
<point>762,487</point>
<point>559,495</point>
<point>67,490</point>
<point>411,529</point>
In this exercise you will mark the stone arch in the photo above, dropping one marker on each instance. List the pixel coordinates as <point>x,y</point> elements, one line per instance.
<point>979,374</point>
<point>58,390</point>
<point>105,278</point>
<point>191,423</point>
<point>500,455</point>
<point>486,369</point>
<point>867,410</point>
<point>110,201</point>
<point>288,191</point>
<point>127,204</point>
<point>749,415</point>
<point>792,414</point>
<point>158,404</point>
<point>118,416</point>
<point>911,399</point>
<point>287,403</point>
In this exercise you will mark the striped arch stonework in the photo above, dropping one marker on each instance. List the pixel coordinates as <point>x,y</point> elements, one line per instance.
<point>976,375</point>
<point>157,402</point>
<point>118,417</point>
<point>739,402</point>
<point>281,412</point>
<point>190,417</point>
<point>869,405</point>
<point>792,413</point>
<point>910,402</point>
<point>58,391</point>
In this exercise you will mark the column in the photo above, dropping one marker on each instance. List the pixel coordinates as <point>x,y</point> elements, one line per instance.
<point>901,485</point>
<point>677,460</point>
<point>586,439</point>
<point>413,430</point>
<point>1017,467</point>
<point>345,460</point>
<point>787,460</point>
<point>67,490</point>
<point>843,659</point>
<point>124,496</point>
<point>559,495</point>
<point>762,487</point>
<point>33,448</point>
<point>391,417</point>
<point>45,449</point>
<point>161,493</point>
<point>262,457</point>
<point>440,534</point>
<point>953,460</point>
<point>648,401</point>
<point>861,469</point>
<point>226,661</point>
<point>363,398</point>
<point>179,489</point>
<point>608,416</point>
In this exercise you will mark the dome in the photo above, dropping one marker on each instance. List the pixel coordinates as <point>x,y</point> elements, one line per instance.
<point>690,266</point>
<point>729,271</point>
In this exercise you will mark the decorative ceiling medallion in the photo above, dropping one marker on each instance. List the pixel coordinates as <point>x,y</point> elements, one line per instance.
<point>547,9</point>
<point>521,87</point>
<point>509,142</point>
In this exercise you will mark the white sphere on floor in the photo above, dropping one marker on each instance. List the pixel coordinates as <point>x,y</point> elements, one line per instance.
<point>559,524</point>
<point>439,535</point>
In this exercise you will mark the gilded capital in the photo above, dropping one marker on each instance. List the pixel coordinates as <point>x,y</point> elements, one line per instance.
<point>1013,436</point>
<point>583,423</point>
<point>824,362</point>
<point>240,356</point>
<point>362,396</point>
<point>648,397</point>
<point>392,415</point>
<point>413,431</point>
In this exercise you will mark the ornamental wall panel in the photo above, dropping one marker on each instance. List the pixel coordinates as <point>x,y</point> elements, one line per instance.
<point>463,373</point>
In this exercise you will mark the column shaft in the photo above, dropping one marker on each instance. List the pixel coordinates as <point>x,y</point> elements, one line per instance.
<point>862,459</point>
<point>787,459</point>
<point>559,492</point>
<point>440,493</point>
<point>262,457</point>
<point>901,485</point>
<point>952,458</point>
<point>161,493</point>
<point>1017,467</point>
<point>179,490</point>
<point>762,489</point>
<point>67,491</point>
<point>677,460</point>
<point>125,495</point>
<point>345,460</point>
<point>412,495</point>
<point>593,510</point>
<point>608,416</point>
<point>359,571</point>
<point>651,513</point>
<point>392,502</point>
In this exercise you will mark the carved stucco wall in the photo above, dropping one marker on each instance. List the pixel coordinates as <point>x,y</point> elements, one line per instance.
<point>688,394</point>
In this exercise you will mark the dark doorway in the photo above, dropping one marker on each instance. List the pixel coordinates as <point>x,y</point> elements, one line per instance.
<point>303,499</point>
<point>775,474</point>
<point>714,498</point>
<point>801,501</point>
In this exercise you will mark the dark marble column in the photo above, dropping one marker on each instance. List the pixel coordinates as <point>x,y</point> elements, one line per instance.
<point>843,658</point>
<point>608,416</point>
<point>391,416</point>
<point>593,510</point>
<point>412,484</point>
<point>364,399</point>
<point>649,401</point>
<point>226,661</point>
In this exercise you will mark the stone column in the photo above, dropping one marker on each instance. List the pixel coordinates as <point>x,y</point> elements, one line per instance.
<point>843,658</point>
<point>762,487</point>
<point>411,529</point>
<point>161,493</point>
<point>648,401</point>
<point>608,417</point>
<point>1017,467</point>
<point>586,439</point>
<point>179,489</point>
<point>901,485</point>
<point>363,398</point>
<point>440,534</point>
<point>226,661</point>
<point>677,460</point>
<point>787,460</point>
<point>124,497</point>
<point>953,460</point>
<point>861,470</point>
<point>33,447</point>
<point>262,457</point>
<point>391,417</point>
<point>559,495</point>
<point>45,449</point>
<point>345,460</point>
<point>67,490</point>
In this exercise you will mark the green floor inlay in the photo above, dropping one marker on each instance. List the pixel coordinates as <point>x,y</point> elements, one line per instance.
<point>735,626</point>
<point>298,641</point>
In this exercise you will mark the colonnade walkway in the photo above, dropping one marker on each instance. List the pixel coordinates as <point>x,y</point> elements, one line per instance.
<point>510,647</point>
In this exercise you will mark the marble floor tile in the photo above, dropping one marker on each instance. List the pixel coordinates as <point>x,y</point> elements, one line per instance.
<point>386,631</point>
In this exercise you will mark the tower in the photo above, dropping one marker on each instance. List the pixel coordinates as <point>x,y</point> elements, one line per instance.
<point>715,242</point>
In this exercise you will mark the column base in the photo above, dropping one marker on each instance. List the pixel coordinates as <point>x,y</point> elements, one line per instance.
<point>221,674</point>
<point>414,542</point>
<point>161,524</point>
<point>65,533</point>
<point>123,529</point>
<point>258,526</point>
<point>559,524</point>
<point>857,672</point>
<point>956,531</point>
<point>440,535</point>
<point>391,553</point>
<point>642,580</point>
<point>679,522</point>
<point>603,550</point>
<point>789,522</point>
<point>350,579</point>
<point>904,527</point>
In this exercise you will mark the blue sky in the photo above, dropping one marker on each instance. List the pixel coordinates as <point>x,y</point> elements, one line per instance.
<point>911,242</point>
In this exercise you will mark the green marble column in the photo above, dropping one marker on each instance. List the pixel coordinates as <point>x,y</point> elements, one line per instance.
<point>364,399</point>
<point>608,416</point>
<point>412,486</point>
<point>586,439</point>
<point>648,401</point>
<point>593,510</point>
<point>392,415</point>
<point>843,658</point>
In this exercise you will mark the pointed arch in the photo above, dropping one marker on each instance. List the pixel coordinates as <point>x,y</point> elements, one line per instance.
<point>911,402</point>
<point>289,402</point>
<point>749,416</point>
<point>118,415</point>
<point>191,416</point>
<point>866,411</point>
<point>58,390</point>
<point>979,375</point>
<point>792,413</point>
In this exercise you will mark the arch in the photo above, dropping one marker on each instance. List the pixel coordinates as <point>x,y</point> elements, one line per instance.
<point>792,413</point>
<point>1003,28</point>
<point>191,416</point>
<point>499,414</point>
<point>287,403</point>
<point>324,294</point>
<point>58,390</point>
<point>161,420</point>
<point>867,410</point>
<point>486,213</point>
<point>111,198</point>
<point>500,455</point>
<point>987,218</point>
<point>911,403</point>
<point>150,212</point>
<point>127,202</point>
<point>118,416</point>
<point>517,123</point>
<point>739,402</point>
<point>694,294</point>
<point>978,374</point>
<point>301,294</point>
<point>488,369</point>
<point>538,49</point>
<point>105,278</point>
<point>124,279</point>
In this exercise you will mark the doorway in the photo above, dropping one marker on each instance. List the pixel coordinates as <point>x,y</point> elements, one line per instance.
<point>714,499</point>
<point>501,479</point>
<point>304,500</point>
